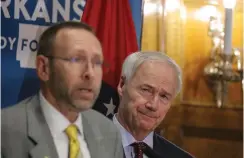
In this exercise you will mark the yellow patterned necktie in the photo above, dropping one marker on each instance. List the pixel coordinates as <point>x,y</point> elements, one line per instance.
<point>74,145</point>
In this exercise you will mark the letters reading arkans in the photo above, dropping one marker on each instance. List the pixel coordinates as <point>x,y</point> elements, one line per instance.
<point>41,12</point>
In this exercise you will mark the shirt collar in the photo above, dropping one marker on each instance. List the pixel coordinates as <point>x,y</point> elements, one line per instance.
<point>56,121</point>
<point>127,138</point>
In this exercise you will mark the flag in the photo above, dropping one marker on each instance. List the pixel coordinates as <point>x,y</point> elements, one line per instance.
<point>113,24</point>
<point>137,14</point>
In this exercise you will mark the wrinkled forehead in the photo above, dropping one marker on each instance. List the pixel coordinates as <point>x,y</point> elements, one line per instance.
<point>156,67</point>
<point>150,66</point>
<point>157,73</point>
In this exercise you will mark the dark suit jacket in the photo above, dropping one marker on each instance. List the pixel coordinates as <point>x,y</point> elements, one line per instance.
<point>166,149</point>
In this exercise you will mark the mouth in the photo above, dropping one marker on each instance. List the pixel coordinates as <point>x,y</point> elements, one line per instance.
<point>86,93</point>
<point>152,116</point>
<point>85,90</point>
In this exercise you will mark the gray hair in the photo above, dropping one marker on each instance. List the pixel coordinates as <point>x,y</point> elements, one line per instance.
<point>134,60</point>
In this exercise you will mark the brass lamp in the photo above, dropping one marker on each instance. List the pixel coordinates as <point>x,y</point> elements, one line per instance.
<point>220,69</point>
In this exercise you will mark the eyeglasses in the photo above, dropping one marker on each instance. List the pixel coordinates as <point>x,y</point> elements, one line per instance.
<point>80,61</point>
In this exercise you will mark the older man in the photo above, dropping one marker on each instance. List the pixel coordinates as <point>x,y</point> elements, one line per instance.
<point>58,122</point>
<point>149,83</point>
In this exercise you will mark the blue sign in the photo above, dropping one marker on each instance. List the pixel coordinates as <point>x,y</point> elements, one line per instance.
<point>22,22</point>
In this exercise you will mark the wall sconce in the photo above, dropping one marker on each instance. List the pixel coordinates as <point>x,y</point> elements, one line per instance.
<point>219,71</point>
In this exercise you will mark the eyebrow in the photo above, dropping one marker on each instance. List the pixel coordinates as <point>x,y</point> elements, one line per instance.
<point>147,85</point>
<point>164,91</point>
<point>168,94</point>
<point>84,51</point>
<point>96,54</point>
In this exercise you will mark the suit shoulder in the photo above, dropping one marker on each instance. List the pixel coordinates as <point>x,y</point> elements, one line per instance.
<point>15,113</point>
<point>99,120</point>
<point>171,147</point>
<point>14,129</point>
<point>17,108</point>
<point>96,117</point>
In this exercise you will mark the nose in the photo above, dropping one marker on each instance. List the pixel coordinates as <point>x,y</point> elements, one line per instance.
<point>153,103</point>
<point>89,72</point>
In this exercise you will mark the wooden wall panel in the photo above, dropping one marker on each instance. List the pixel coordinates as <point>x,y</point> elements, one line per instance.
<point>211,148</point>
<point>205,132</point>
<point>194,122</point>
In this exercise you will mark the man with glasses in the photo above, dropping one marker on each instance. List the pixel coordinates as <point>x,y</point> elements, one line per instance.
<point>59,121</point>
<point>149,83</point>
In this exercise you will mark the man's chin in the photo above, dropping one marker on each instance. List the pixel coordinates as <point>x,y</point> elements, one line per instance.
<point>148,126</point>
<point>83,105</point>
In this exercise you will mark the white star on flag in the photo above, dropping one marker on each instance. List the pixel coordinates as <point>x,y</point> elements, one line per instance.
<point>110,107</point>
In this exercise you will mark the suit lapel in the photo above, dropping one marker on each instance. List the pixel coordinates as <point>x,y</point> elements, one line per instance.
<point>158,147</point>
<point>38,131</point>
<point>92,136</point>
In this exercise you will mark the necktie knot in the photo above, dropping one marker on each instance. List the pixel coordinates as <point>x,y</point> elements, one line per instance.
<point>138,145</point>
<point>72,132</point>
<point>141,147</point>
<point>138,149</point>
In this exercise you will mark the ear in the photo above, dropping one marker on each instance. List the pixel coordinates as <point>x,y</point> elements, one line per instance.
<point>121,85</point>
<point>42,67</point>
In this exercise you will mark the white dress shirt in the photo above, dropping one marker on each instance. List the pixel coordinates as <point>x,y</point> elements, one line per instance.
<point>128,139</point>
<point>57,124</point>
